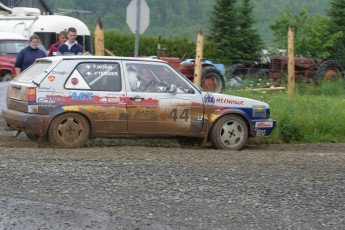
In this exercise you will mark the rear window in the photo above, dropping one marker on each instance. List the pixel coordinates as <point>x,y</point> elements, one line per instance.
<point>33,71</point>
<point>12,47</point>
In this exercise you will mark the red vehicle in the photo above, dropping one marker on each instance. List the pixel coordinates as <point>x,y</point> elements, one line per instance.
<point>312,70</point>
<point>10,45</point>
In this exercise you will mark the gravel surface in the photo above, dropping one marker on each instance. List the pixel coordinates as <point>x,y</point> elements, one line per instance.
<point>157,184</point>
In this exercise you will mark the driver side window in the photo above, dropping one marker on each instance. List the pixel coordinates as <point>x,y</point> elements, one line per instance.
<point>154,78</point>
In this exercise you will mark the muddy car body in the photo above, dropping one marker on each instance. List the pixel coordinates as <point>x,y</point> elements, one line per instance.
<point>70,99</point>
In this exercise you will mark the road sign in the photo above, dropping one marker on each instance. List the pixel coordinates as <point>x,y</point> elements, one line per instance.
<point>138,16</point>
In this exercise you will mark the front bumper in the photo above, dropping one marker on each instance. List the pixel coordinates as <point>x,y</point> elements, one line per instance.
<point>262,127</point>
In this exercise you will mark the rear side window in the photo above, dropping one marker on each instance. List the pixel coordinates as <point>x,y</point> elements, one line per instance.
<point>96,76</point>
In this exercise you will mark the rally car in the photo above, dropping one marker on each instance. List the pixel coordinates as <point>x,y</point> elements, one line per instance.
<point>70,99</point>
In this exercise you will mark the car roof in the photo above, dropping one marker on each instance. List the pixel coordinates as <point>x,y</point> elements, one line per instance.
<point>91,57</point>
<point>11,36</point>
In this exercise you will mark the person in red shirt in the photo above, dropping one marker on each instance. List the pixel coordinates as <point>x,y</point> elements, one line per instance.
<point>54,48</point>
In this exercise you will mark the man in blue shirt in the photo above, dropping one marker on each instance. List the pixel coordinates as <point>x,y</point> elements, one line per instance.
<point>71,47</point>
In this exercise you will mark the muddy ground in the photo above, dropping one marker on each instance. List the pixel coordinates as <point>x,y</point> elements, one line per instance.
<point>128,184</point>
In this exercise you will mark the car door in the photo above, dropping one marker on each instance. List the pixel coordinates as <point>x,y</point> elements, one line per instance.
<point>96,87</point>
<point>160,101</point>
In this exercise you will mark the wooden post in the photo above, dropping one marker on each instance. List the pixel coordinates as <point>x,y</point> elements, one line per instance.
<point>198,59</point>
<point>291,62</point>
<point>159,47</point>
<point>99,38</point>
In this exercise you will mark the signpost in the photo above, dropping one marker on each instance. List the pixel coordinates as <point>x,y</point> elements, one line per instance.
<point>138,19</point>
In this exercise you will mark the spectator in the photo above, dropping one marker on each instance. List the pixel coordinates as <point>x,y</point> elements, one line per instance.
<point>71,46</point>
<point>54,48</point>
<point>29,54</point>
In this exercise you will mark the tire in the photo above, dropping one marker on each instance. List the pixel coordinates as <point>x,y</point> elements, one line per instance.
<point>329,70</point>
<point>69,130</point>
<point>212,80</point>
<point>238,69</point>
<point>229,132</point>
<point>7,77</point>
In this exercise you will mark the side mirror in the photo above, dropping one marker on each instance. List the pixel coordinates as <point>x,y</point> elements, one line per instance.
<point>173,89</point>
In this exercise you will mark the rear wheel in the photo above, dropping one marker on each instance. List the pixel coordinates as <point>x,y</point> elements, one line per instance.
<point>329,70</point>
<point>69,130</point>
<point>229,132</point>
<point>212,80</point>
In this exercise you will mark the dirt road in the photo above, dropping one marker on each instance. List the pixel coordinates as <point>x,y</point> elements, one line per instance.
<point>160,185</point>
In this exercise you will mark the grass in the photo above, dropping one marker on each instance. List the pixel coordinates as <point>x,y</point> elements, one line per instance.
<point>315,114</point>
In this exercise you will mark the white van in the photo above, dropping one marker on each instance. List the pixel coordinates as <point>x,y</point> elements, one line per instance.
<point>27,21</point>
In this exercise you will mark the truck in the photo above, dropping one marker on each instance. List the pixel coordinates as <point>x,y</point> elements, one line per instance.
<point>27,21</point>
<point>275,69</point>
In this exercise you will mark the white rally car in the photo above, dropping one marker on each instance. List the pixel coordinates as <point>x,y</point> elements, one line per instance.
<point>70,99</point>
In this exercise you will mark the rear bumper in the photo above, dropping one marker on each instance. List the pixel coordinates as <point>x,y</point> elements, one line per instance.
<point>26,122</point>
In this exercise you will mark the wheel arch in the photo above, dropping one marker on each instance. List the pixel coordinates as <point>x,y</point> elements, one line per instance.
<point>236,112</point>
<point>59,113</point>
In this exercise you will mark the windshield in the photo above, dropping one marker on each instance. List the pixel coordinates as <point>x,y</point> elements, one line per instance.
<point>12,47</point>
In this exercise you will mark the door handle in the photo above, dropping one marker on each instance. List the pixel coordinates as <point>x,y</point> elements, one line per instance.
<point>136,98</point>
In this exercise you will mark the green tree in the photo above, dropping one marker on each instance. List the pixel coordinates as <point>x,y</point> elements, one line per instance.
<point>337,28</point>
<point>312,38</point>
<point>231,31</point>
<point>250,43</point>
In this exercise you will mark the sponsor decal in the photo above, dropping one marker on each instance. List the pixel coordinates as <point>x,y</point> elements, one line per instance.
<point>45,90</point>
<point>209,99</point>
<point>51,78</point>
<point>145,114</point>
<point>103,100</point>
<point>264,124</point>
<point>82,96</point>
<point>51,99</point>
<point>229,101</point>
<point>59,72</point>
<point>110,100</point>
<point>113,100</point>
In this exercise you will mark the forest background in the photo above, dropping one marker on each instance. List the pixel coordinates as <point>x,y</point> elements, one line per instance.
<point>179,18</point>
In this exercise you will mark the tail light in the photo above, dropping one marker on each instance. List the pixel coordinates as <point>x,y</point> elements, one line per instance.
<point>30,95</point>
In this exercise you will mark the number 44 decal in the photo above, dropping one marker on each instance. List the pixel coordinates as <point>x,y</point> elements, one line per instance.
<point>178,115</point>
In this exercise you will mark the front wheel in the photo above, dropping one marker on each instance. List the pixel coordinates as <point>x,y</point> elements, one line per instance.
<point>69,130</point>
<point>230,133</point>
